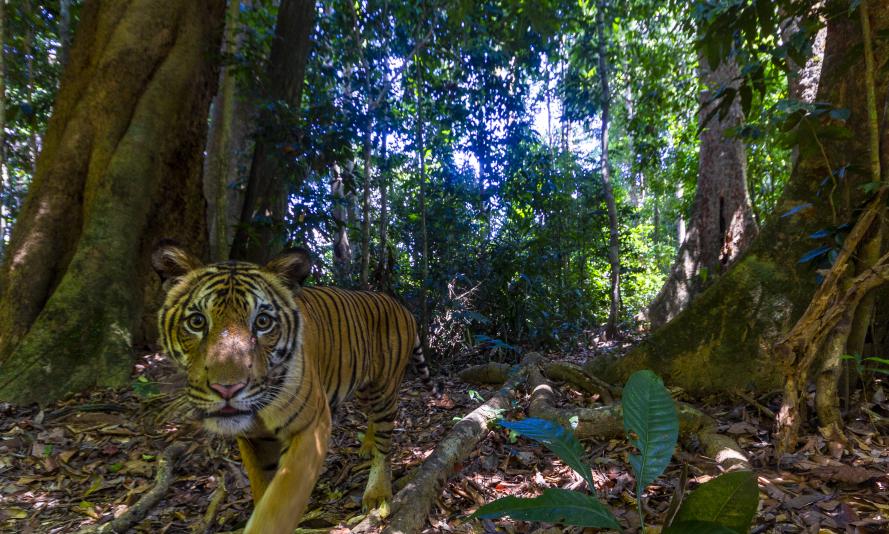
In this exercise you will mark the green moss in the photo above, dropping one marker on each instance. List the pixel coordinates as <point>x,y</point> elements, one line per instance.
<point>722,341</point>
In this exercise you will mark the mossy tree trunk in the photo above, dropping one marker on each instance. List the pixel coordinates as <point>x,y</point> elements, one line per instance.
<point>724,340</point>
<point>120,168</point>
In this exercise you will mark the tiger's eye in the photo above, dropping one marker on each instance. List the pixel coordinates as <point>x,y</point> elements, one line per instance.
<point>263,322</point>
<point>196,322</point>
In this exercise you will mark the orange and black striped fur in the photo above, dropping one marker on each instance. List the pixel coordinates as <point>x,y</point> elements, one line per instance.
<point>268,361</point>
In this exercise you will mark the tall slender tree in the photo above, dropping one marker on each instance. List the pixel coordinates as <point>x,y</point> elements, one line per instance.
<point>261,233</point>
<point>607,188</point>
<point>227,142</point>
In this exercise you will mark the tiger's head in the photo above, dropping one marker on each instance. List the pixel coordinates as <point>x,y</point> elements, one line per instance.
<point>235,327</point>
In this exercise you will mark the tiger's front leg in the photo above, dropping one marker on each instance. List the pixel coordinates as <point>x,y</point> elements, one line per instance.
<point>284,501</point>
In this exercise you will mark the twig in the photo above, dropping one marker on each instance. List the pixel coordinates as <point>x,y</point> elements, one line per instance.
<point>162,482</point>
<point>218,496</point>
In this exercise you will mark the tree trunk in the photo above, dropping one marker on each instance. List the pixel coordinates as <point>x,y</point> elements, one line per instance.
<point>29,87</point>
<point>613,231</point>
<point>342,250</point>
<point>226,146</point>
<point>64,30</point>
<point>723,340</point>
<point>2,131</point>
<point>383,274</point>
<point>260,233</point>
<point>120,168</point>
<point>424,260</point>
<point>722,224</point>
<point>364,277</point>
<point>802,80</point>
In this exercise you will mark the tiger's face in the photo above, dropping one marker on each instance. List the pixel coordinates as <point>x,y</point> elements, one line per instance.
<point>236,330</point>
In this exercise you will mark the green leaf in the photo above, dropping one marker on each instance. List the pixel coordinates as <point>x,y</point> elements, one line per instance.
<point>558,439</point>
<point>554,506</point>
<point>698,527</point>
<point>729,500</point>
<point>650,413</point>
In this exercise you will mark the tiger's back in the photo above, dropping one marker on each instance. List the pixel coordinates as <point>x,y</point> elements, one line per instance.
<point>362,340</point>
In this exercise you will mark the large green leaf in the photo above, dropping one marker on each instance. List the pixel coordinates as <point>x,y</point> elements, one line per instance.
<point>558,439</point>
<point>699,527</point>
<point>650,413</point>
<point>556,505</point>
<point>729,500</point>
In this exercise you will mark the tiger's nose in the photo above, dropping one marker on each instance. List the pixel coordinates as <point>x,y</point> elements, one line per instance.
<point>227,391</point>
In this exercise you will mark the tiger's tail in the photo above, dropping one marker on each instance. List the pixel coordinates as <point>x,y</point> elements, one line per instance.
<point>423,368</point>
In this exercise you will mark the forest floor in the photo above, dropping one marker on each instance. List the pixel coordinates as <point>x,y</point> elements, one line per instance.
<point>81,462</point>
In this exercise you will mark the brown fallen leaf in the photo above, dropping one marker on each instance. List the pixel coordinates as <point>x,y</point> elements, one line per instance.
<point>445,402</point>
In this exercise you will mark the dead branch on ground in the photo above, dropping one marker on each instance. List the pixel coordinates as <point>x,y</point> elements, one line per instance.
<point>411,505</point>
<point>163,479</point>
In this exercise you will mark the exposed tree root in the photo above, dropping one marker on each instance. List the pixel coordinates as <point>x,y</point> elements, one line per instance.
<point>579,378</point>
<point>489,373</point>
<point>165,467</point>
<point>695,427</point>
<point>411,505</point>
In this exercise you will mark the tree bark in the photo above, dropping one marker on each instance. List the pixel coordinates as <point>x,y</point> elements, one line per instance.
<point>260,233</point>
<point>722,224</point>
<point>723,340</point>
<point>613,229</point>
<point>120,168</point>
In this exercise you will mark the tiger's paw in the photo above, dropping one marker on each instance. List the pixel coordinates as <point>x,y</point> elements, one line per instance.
<point>378,493</point>
<point>378,503</point>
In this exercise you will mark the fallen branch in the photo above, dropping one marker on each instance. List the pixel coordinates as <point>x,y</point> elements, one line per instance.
<point>411,505</point>
<point>162,481</point>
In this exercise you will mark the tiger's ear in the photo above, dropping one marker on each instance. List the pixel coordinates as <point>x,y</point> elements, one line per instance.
<point>172,262</point>
<point>293,266</point>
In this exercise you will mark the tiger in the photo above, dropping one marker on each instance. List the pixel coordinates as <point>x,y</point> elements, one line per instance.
<point>269,360</point>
